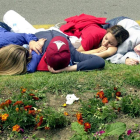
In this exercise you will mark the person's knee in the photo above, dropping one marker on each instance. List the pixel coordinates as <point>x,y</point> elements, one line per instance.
<point>101,63</point>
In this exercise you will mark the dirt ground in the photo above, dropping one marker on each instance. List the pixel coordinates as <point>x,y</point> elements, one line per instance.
<point>65,133</point>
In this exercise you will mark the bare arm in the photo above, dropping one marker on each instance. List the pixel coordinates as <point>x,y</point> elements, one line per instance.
<point>109,52</point>
<point>81,49</point>
<point>69,68</point>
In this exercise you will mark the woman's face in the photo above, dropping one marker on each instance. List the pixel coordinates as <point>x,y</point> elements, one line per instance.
<point>109,40</point>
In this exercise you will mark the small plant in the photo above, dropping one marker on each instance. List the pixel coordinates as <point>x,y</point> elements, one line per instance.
<point>131,105</point>
<point>22,112</point>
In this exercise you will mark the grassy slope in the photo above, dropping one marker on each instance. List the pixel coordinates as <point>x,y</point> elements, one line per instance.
<point>119,75</point>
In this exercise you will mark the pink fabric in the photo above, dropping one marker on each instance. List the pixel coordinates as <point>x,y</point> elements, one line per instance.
<point>87,27</point>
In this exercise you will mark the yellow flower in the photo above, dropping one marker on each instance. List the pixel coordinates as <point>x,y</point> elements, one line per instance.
<point>64,105</point>
<point>4,117</point>
<point>16,128</point>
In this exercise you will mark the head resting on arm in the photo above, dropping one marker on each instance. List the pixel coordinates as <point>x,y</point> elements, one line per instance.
<point>13,60</point>
<point>119,33</point>
<point>57,55</point>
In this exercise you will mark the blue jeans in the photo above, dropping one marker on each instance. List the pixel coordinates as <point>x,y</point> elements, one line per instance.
<point>113,22</point>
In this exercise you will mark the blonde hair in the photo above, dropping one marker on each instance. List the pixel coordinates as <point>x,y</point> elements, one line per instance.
<point>13,60</point>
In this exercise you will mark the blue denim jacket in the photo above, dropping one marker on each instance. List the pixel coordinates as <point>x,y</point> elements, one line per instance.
<point>113,22</point>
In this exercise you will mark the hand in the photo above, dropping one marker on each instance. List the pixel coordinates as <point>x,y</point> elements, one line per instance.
<point>37,45</point>
<point>53,71</point>
<point>102,49</point>
<point>131,61</point>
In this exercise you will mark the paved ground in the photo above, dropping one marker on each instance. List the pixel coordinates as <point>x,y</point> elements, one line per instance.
<point>54,11</point>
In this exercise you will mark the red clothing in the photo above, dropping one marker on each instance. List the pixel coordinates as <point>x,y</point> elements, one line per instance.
<point>86,26</point>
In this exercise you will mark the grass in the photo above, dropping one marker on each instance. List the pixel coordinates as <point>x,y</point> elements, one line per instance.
<point>113,75</point>
<point>119,75</point>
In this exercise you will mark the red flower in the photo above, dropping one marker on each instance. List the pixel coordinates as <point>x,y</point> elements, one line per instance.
<point>119,108</point>
<point>27,107</point>
<point>2,105</point>
<point>104,100</point>
<point>118,94</point>
<point>87,126</point>
<point>8,102</point>
<point>35,98</point>
<point>115,88</point>
<point>100,94</point>
<point>80,121</point>
<point>18,103</point>
<point>40,122</point>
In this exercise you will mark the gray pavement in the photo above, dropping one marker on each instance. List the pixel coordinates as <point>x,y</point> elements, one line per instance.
<point>54,11</point>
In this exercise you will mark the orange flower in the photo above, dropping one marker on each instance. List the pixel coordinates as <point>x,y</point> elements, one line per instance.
<point>23,90</point>
<point>31,94</point>
<point>66,114</point>
<point>104,100</point>
<point>79,118</point>
<point>18,103</point>
<point>100,94</point>
<point>32,112</point>
<point>16,128</point>
<point>35,98</point>
<point>17,109</point>
<point>87,126</point>
<point>47,128</point>
<point>4,117</point>
<point>27,107</point>
<point>118,94</point>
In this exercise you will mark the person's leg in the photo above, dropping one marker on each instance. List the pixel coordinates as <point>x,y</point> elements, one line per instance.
<point>113,22</point>
<point>85,61</point>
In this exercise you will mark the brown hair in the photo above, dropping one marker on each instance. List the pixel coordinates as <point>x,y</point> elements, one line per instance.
<point>13,60</point>
<point>119,33</point>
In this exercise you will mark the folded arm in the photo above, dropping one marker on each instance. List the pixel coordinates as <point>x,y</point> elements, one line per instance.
<point>109,52</point>
<point>101,49</point>
<point>69,68</point>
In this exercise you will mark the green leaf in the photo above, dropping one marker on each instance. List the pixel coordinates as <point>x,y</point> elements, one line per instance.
<point>78,128</point>
<point>117,128</point>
